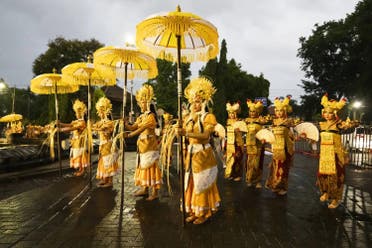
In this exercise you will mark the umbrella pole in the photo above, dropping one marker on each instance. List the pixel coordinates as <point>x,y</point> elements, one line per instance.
<point>122,130</point>
<point>89,134</point>
<point>58,137</point>
<point>180,140</point>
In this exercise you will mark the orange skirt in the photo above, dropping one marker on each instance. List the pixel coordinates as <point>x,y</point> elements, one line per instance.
<point>204,204</point>
<point>106,171</point>
<point>79,161</point>
<point>149,177</point>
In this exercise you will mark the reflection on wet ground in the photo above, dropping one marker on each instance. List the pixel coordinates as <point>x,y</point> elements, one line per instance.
<point>69,214</point>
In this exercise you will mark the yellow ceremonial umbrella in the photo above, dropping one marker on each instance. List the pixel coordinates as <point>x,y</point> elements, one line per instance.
<point>11,118</point>
<point>126,62</point>
<point>51,83</point>
<point>178,36</point>
<point>82,73</point>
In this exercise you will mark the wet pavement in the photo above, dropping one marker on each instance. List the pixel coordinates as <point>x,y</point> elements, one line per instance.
<point>66,212</point>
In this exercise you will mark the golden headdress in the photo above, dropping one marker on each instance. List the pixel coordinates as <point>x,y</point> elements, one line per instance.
<point>233,108</point>
<point>104,104</point>
<point>167,116</point>
<point>332,105</point>
<point>199,88</point>
<point>283,104</point>
<point>79,106</point>
<point>145,93</point>
<point>255,106</point>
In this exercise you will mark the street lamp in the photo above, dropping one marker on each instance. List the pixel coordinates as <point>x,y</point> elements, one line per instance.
<point>356,106</point>
<point>4,88</point>
<point>3,85</point>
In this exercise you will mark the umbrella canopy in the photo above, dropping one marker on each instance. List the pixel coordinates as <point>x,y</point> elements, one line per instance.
<point>81,73</point>
<point>125,61</point>
<point>11,118</point>
<point>157,35</point>
<point>51,83</point>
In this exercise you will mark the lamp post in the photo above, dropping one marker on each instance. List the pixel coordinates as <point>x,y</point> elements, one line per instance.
<point>28,104</point>
<point>3,85</point>
<point>4,88</point>
<point>356,106</point>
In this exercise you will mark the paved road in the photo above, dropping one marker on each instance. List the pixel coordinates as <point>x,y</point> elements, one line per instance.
<point>67,213</point>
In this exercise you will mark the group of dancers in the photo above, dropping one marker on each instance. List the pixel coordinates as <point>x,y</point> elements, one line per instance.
<point>202,198</point>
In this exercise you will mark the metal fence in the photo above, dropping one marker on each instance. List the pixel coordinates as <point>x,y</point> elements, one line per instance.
<point>357,141</point>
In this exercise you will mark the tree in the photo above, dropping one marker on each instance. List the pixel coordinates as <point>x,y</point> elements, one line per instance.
<point>337,58</point>
<point>165,84</point>
<point>232,83</point>
<point>60,53</point>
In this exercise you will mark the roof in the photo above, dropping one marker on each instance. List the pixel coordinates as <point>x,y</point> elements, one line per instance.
<point>114,93</point>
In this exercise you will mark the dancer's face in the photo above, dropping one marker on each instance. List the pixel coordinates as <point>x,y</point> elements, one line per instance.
<point>280,113</point>
<point>232,115</point>
<point>329,115</point>
<point>253,113</point>
<point>197,105</point>
<point>143,105</point>
<point>79,115</point>
<point>102,114</point>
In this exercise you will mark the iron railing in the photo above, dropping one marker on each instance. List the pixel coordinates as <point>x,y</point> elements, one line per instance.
<point>357,141</point>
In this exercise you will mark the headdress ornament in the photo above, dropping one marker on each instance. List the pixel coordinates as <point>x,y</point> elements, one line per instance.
<point>199,88</point>
<point>167,116</point>
<point>331,104</point>
<point>283,104</point>
<point>79,106</point>
<point>104,104</point>
<point>256,106</point>
<point>145,93</point>
<point>233,108</point>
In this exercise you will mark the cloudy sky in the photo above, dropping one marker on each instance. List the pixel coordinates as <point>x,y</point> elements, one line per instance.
<point>263,36</point>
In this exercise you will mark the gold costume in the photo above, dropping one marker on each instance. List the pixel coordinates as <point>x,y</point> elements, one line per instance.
<point>78,152</point>
<point>282,149</point>
<point>148,173</point>
<point>333,157</point>
<point>234,145</point>
<point>255,149</point>
<point>202,198</point>
<point>107,161</point>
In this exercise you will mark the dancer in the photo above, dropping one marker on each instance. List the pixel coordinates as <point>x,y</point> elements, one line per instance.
<point>234,144</point>
<point>78,152</point>
<point>202,198</point>
<point>147,174</point>
<point>333,157</point>
<point>282,148</point>
<point>107,161</point>
<point>255,148</point>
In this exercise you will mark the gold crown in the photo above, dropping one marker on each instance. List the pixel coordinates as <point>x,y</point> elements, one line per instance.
<point>255,106</point>
<point>79,106</point>
<point>104,104</point>
<point>233,108</point>
<point>199,88</point>
<point>284,104</point>
<point>145,93</point>
<point>331,104</point>
<point>167,116</point>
